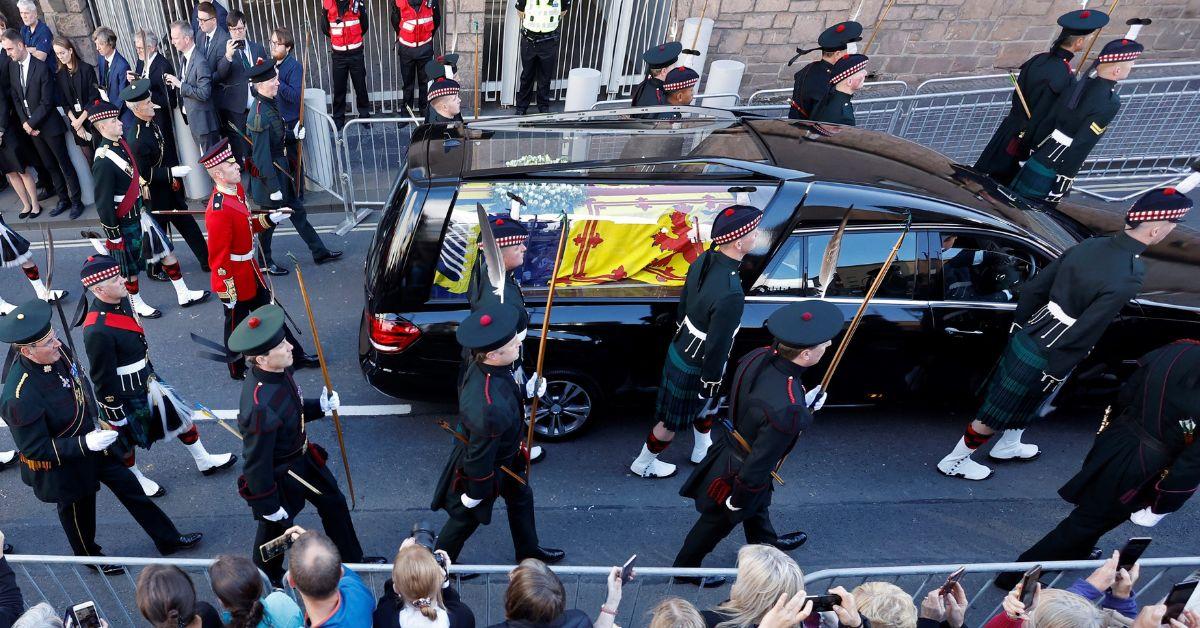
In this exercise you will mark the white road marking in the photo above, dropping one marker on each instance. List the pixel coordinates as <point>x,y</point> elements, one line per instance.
<point>79,243</point>
<point>395,409</point>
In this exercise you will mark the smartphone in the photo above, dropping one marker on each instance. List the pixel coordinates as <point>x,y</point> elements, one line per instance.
<point>627,570</point>
<point>85,615</point>
<point>951,579</point>
<point>823,603</point>
<point>273,548</point>
<point>1177,600</point>
<point>239,43</point>
<point>1029,586</point>
<point>1133,550</point>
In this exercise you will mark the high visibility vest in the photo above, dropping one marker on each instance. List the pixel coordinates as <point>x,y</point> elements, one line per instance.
<point>345,31</point>
<point>541,16</point>
<point>416,25</point>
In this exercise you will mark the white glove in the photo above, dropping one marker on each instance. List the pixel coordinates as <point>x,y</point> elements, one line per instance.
<point>99,440</point>
<point>329,401</point>
<point>1146,518</point>
<point>468,502</point>
<point>278,515</point>
<point>228,303</point>
<point>729,504</point>
<point>299,131</point>
<point>277,196</point>
<point>815,398</point>
<point>180,171</point>
<point>277,217</point>
<point>535,386</point>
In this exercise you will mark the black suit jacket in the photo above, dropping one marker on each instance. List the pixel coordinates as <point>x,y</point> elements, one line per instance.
<point>233,78</point>
<point>38,94</point>
<point>80,88</point>
<point>162,95</point>
<point>8,115</point>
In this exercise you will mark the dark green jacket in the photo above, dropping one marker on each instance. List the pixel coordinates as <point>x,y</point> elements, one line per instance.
<point>479,293</point>
<point>268,157</point>
<point>712,301</point>
<point>811,85</point>
<point>1049,172</point>
<point>836,107</point>
<point>111,183</point>
<point>148,145</point>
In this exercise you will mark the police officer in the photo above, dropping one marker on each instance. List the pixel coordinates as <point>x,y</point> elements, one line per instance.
<point>415,23</point>
<point>493,458</point>
<point>710,313</point>
<point>540,21</point>
<point>659,61</point>
<point>271,184</point>
<point>1043,78</point>
<point>1061,314</point>
<point>236,277</point>
<point>1081,115</point>
<point>344,22</point>
<point>769,408</point>
<point>282,468</point>
<point>132,397</point>
<point>849,74</point>
<point>445,102</point>
<point>64,457</point>
<point>812,81</point>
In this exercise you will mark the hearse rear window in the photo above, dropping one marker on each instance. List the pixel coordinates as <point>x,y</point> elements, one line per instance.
<point>624,240</point>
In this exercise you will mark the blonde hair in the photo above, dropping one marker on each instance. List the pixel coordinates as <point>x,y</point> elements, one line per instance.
<point>674,612</point>
<point>763,574</point>
<point>417,578</point>
<point>886,605</point>
<point>1056,608</point>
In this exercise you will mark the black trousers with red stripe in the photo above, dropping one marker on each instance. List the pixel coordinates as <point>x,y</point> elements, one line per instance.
<point>78,518</point>
<point>239,311</point>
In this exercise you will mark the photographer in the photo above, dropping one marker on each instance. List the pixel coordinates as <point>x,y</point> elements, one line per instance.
<point>536,599</point>
<point>167,599</point>
<point>239,586</point>
<point>947,610</point>
<point>332,593</point>
<point>419,594</point>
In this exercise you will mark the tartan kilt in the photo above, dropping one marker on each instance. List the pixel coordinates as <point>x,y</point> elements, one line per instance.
<point>1035,180</point>
<point>130,258</point>
<point>1014,392</point>
<point>679,393</point>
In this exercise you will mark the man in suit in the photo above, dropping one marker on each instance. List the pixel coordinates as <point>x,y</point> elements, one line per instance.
<point>195,87</point>
<point>33,97</point>
<point>222,17</point>
<point>233,83</point>
<point>153,66</point>
<point>45,185</point>
<point>291,93</point>
<point>113,70</point>
<point>210,38</point>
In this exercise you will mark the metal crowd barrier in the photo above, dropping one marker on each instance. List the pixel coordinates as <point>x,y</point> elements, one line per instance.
<point>870,89</point>
<point>64,580</point>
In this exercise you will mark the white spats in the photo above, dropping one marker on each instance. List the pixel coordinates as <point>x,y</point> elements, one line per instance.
<point>703,442</point>
<point>648,465</point>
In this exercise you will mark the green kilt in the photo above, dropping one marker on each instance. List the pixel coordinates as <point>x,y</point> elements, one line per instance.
<point>679,398</point>
<point>1015,391</point>
<point>1035,180</point>
<point>130,259</point>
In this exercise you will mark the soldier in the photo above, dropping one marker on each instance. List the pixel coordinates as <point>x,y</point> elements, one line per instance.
<point>236,277</point>
<point>14,252</point>
<point>132,397</point>
<point>1081,115</point>
<point>769,408</point>
<point>1043,78</point>
<point>709,315</point>
<point>64,457</point>
<point>445,102</point>
<point>812,81</point>
<point>415,23</point>
<point>271,185</point>
<point>146,143</point>
<point>540,32</point>
<point>659,61</point>
<point>849,74</point>
<point>282,468</point>
<point>1145,463</point>
<point>680,88</point>
<point>344,22</point>
<point>119,205</point>
<point>492,411</point>
<point>1061,314</point>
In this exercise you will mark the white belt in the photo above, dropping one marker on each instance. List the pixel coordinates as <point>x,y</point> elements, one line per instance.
<point>1061,138</point>
<point>242,257</point>
<point>1058,314</point>
<point>692,329</point>
<point>353,46</point>
<point>130,369</point>
<point>119,198</point>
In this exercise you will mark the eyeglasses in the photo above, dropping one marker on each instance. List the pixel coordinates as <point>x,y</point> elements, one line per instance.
<point>208,19</point>
<point>236,28</point>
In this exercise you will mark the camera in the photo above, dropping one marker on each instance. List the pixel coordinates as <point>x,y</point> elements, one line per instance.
<point>423,534</point>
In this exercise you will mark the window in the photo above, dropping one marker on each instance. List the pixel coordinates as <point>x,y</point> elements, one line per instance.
<point>625,240</point>
<point>862,254</point>
<point>980,268</point>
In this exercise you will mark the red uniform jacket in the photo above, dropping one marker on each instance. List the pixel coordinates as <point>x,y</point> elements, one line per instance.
<point>231,229</point>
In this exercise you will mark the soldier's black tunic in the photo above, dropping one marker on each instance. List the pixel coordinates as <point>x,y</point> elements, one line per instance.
<point>271,418</point>
<point>768,411</point>
<point>146,141</point>
<point>491,416</point>
<point>112,172</point>
<point>433,117</point>
<point>1043,78</point>
<point>835,107</point>
<point>811,85</point>
<point>49,414</point>
<point>479,292</point>
<point>1047,175</point>
<point>649,93</point>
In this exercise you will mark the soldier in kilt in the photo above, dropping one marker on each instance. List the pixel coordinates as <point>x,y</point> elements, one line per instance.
<point>709,315</point>
<point>1061,314</point>
<point>14,252</point>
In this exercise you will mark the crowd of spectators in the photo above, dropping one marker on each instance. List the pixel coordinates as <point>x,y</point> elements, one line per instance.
<point>768,592</point>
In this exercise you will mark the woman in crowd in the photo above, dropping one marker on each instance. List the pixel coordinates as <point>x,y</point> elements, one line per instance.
<point>675,612</point>
<point>240,588</point>
<point>77,84</point>
<point>419,594</point>
<point>536,599</point>
<point>166,597</point>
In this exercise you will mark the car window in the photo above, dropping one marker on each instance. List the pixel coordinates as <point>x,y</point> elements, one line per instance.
<point>795,269</point>
<point>981,268</point>
<point>625,240</point>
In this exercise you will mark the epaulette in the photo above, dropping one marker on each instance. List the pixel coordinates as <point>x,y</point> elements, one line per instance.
<point>216,200</point>
<point>256,117</point>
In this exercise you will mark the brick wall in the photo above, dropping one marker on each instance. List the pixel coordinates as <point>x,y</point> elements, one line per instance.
<point>923,39</point>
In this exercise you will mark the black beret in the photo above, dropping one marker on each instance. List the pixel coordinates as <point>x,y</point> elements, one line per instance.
<point>838,36</point>
<point>489,327</point>
<point>27,324</point>
<point>806,323</point>
<point>1083,21</point>
<point>136,91</point>
<point>662,55</point>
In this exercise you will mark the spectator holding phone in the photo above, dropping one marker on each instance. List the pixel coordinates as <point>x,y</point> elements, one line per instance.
<point>1152,617</point>
<point>536,598</point>
<point>419,594</point>
<point>240,587</point>
<point>944,609</point>
<point>676,612</point>
<point>333,595</point>
<point>167,599</point>
<point>1052,608</point>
